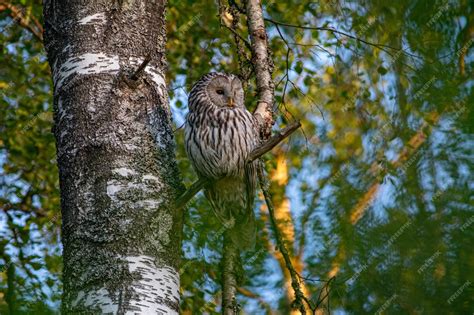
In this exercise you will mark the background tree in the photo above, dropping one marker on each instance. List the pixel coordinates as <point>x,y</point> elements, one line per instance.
<point>378,183</point>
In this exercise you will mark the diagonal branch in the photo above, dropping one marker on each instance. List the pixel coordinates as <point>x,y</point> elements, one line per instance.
<point>17,15</point>
<point>278,181</point>
<point>295,281</point>
<point>273,141</point>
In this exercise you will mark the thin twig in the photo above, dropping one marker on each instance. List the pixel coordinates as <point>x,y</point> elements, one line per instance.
<point>333,30</point>
<point>309,97</point>
<point>288,50</point>
<point>17,15</point>
<point>295,282</point>
<point>137,73</point>
<point>238,35</point>
<point>326,290</point>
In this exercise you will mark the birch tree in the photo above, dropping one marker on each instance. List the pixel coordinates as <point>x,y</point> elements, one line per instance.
<point>383,157</point>
<point>115,152</point>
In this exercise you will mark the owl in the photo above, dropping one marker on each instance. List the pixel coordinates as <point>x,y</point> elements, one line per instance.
<point>220,133</point>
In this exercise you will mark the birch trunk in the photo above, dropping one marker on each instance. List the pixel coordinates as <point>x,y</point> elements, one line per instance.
<point>115,151</point>
<point>263,67</point>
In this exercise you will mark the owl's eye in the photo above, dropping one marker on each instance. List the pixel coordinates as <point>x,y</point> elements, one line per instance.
<point>220,92</point>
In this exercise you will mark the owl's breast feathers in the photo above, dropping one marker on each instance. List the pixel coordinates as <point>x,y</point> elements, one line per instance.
<point>218,141</point>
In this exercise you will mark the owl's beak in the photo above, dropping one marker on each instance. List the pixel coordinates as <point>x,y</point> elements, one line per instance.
<point>230,102</point>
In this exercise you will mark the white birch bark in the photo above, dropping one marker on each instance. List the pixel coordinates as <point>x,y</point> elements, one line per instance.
<point>115,148</point>
<point>263,66</point>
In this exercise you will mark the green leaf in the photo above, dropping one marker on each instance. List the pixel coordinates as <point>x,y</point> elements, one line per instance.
<point>382,70</point>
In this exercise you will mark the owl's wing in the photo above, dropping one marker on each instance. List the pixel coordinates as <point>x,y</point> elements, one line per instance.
<point>250,183</point>
<point>247,227</point>
<point>232,202</point>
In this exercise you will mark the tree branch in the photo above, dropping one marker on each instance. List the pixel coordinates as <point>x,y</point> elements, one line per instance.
<point>191,192</point>
<point>17,15</point>
<point>263,67</point>
<point>273,141</point>
<point>295,282</point>
<point>333,30</point>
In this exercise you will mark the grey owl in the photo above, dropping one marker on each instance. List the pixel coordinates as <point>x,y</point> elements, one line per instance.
<point>220,133</point>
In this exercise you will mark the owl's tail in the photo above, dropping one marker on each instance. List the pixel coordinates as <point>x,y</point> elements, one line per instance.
<point>244,232</point>
<point>233,205</point>
<point>241,229</point>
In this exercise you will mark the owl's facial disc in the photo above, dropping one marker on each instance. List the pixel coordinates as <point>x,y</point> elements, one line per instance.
<point>222,92</point>
<point>228,95</point>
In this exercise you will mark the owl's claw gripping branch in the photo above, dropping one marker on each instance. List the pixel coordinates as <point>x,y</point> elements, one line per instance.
<point>273,141</point>
<point>265,147</point>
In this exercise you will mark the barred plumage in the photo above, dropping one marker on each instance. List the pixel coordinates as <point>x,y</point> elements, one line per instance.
<point>219,134</point>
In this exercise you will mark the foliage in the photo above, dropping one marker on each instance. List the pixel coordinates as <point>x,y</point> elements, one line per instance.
<point>378,181</point>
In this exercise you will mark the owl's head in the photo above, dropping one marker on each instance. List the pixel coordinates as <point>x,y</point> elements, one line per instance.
<point>224,90</point>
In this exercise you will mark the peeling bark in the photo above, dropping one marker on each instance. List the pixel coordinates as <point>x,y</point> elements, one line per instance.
<point>263,65</point>
<point>115,148</point>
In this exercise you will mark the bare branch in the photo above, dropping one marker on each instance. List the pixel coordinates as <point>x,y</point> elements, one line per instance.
<point>273,141</point>
<point>191,192</point>
<point>295,281</point>
<point>140,69</point>
<point>17,15</point>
